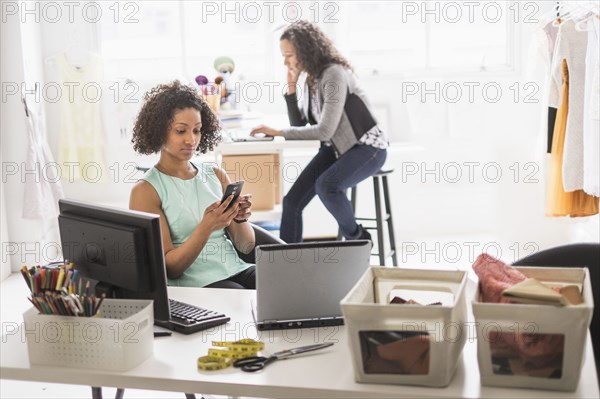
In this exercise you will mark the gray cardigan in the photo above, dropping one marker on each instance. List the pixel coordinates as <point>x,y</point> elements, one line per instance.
<point>337,118</point>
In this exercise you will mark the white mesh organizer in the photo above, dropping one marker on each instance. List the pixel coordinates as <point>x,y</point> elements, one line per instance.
<point>119,337</point>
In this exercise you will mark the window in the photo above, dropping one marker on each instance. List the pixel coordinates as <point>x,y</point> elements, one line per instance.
<point>141,40</point>
<point>409,36</point>
<point>181,39</point>
<point>243,36</point>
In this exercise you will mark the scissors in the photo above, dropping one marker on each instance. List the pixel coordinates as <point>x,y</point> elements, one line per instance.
<point>256,363</point>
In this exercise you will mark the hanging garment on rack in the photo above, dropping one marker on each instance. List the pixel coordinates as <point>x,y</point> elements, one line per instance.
<point>42,188</point>
<point>571,45</point>
<point>550,32</point>
<point>591,117</point>
<point>81,139</point>
<point>558,201</point>
<point>551,122</point>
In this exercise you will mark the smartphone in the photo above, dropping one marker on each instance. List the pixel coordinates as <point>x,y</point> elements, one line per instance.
<point>234,189</point>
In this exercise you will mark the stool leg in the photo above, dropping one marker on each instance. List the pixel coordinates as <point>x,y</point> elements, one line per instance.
<point>390,222</point>
<point>353,199</point>
<point>379,221</point>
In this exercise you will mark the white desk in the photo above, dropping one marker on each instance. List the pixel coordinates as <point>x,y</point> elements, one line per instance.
<point>324,374</point>
<point>250,120</point>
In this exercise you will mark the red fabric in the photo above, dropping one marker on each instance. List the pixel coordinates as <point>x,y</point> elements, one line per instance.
<point>494,277</point>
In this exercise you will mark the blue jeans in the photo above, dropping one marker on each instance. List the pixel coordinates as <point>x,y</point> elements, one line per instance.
<point>329,178</point>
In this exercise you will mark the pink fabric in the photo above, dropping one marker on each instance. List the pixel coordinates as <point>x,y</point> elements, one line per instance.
<point>494,277</point>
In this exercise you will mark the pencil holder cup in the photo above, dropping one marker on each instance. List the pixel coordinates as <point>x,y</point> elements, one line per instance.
<point>211,93</point>
<point>119,337</point>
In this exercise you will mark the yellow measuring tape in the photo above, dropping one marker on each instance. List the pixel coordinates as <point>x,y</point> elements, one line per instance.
<point>211,363</point>
<point>219,359</point>
<point>243,345</point>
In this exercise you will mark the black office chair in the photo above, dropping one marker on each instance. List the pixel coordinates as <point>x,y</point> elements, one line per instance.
<point>263,237</point>
<point>575,255</point>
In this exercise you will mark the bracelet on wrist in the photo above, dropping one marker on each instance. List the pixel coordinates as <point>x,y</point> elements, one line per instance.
<point>240,221</point>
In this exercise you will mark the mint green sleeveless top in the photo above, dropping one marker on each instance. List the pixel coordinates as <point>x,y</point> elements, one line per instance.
<point>183,202</point>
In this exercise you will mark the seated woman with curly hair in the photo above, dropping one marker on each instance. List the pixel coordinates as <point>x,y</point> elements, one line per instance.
<point>177,123</point>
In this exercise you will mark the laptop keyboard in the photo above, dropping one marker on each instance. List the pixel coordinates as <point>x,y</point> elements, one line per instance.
<point>238,135</point>
<point>188,319</point>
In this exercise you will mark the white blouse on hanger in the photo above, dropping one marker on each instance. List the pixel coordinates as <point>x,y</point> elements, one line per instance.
<point>591,113</point>
<point>571,45</point>
<point>43,190</point>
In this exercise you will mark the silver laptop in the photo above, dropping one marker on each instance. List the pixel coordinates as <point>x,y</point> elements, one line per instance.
<point>243,135</point>
<point>301,285</point>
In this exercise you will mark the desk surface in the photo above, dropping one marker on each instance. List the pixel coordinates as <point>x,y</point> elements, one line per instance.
<point>325,374</point>
<point>248,120</point>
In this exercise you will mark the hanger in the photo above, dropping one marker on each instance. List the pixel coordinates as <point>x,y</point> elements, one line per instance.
<point>36,87</point>
<point>558,9</point>
<point>587,10</point>
<point>576,11</point>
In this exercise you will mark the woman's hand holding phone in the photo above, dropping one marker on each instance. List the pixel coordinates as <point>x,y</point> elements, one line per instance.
<point>292,79</point>
<point>244,211</point>
<point>219,214</point>
<point>232,206</point>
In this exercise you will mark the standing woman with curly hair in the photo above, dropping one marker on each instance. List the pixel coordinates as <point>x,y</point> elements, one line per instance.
<point>177,123</point>
<point>335,110</point>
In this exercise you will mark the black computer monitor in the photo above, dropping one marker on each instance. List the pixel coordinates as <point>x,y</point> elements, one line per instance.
<point>119,249</point>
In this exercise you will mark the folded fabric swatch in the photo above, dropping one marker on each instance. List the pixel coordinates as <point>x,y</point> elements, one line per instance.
<point>531,291</point>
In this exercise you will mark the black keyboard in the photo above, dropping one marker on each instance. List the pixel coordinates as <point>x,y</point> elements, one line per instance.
<point>187,319</point>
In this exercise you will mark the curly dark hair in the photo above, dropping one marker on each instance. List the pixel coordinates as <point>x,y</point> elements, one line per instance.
<point>157,113</point>
<point>314,50</point>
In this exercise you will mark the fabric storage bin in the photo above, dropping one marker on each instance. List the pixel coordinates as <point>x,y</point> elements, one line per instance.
<point>119,337</point>
<point>406,344</point>
<point>535,346</point>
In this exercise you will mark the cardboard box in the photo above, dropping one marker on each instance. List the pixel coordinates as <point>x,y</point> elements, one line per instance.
<point>406,343</point>
<point>535,346</point>
<point>262,176</point>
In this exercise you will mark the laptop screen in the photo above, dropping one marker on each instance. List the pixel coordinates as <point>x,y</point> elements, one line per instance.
<point>306,282</point>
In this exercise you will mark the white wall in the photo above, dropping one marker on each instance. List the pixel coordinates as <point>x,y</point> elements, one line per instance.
<point>23,240</point>
<point>5,263</point>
